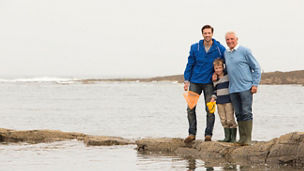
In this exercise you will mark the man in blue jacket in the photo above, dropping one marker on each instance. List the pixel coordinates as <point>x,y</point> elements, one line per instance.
<point>198,77</point>
<point>244,75</point>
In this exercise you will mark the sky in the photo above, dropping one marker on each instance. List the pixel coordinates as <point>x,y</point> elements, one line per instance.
<point>141,38</point>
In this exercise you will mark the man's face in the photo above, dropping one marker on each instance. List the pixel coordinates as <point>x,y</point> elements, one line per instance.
<point>231,40</point>
<point>207,34</point>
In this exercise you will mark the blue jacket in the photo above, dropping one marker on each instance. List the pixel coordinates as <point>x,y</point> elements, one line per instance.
<point>199,68</point>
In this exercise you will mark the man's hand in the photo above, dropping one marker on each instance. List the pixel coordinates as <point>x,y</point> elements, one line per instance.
<point>214,77</point>
<point>186,85</point>
<point>254,89</point>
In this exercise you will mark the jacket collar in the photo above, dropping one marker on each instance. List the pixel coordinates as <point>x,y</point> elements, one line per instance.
<point>214,44</point>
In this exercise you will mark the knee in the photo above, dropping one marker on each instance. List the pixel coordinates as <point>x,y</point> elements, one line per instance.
<point>210,115</point>
<point>231,123</point>
<point>190,110</point>
<point>224,123</point>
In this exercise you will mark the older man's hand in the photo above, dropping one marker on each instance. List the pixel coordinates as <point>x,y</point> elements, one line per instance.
<point>254,89</point>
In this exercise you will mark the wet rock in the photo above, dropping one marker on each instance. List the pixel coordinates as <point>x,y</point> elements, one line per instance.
<point>106,141</point>
<point>254,154</point>
<point>287,150</point>
<point>37,136</point>
<point>44,136</point>
<point>159,144</point>
<point>187,152</point>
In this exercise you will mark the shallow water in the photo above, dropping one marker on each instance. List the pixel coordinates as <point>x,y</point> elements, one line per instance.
<point>126,109</point>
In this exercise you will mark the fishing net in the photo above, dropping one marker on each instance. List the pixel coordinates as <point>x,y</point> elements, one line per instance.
<point>191,98</point>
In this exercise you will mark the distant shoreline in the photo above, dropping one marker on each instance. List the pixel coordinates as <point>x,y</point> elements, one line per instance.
<point>272,78</point>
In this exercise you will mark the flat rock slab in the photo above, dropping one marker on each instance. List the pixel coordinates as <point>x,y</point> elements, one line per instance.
<point>159,144</point>
<point>44,136</point>
<point>37,136</point>
<point>287,149</point>
<point>106,141</point>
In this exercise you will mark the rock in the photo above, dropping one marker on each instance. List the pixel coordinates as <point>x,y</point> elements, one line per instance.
<point>44,136</point>
<point>287,149</point>
<point>37,136</point>
<point>254,154</point>
<point>159,144</point>
<point>106,141</point>
<point>187,152</point>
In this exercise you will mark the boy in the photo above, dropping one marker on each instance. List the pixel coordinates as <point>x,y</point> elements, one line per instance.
<point>224,105</point>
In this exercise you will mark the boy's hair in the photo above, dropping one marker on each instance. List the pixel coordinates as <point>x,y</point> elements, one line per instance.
<point>218,61</point>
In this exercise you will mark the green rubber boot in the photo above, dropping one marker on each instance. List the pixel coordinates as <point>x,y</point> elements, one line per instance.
<point>233,135</point>
<point>241,132</point>
<point>227,135</point>
<point>248,132</point>
<point>245,130</point>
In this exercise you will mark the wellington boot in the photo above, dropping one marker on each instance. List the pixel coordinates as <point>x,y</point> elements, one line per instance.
<point>241,132</point>
<point>233,135</point>
<point>227,132</point>
<point>245,130</point>
<point>248,132</point>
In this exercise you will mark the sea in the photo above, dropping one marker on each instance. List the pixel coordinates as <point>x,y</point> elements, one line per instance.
<point>132,110</point>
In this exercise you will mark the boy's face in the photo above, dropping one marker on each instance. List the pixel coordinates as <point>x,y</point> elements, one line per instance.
<point>218,69</point>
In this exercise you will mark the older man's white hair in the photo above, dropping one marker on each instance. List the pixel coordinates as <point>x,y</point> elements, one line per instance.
<point>231,32</point>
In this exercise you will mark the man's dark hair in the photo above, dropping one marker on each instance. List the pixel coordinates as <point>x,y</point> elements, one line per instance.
<point>207,27</point>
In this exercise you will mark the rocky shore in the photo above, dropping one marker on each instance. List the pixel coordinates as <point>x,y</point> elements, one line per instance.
<point>275,78</point>
<point>286,150</point>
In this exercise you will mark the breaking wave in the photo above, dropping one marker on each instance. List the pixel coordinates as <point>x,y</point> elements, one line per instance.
<point>41,79</point>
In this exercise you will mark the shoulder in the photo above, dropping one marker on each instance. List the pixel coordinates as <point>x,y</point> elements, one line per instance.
<point>194,45</point>
<point>217,43</point>
<point>225,78</point>
<point>244,49</point>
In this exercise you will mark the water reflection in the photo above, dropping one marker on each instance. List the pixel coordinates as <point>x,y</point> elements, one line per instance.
<point>230,167</point>
<point>191,164</point>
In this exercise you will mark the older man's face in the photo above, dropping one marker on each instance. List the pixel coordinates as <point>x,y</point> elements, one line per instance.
<point>231,40</point>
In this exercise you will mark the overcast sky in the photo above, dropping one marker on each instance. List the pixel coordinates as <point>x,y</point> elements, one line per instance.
<point>141,37</point>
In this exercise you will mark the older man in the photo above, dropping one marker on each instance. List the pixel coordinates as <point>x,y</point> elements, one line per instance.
<point>198,74</point>
<point>244,75</point>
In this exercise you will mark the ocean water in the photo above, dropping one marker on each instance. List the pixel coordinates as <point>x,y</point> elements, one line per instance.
<point>127,109</point>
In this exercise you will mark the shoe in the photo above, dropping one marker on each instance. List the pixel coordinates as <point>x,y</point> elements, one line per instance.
<point>227,132</point>
<point>189,139</point>
<point>208,138</point>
